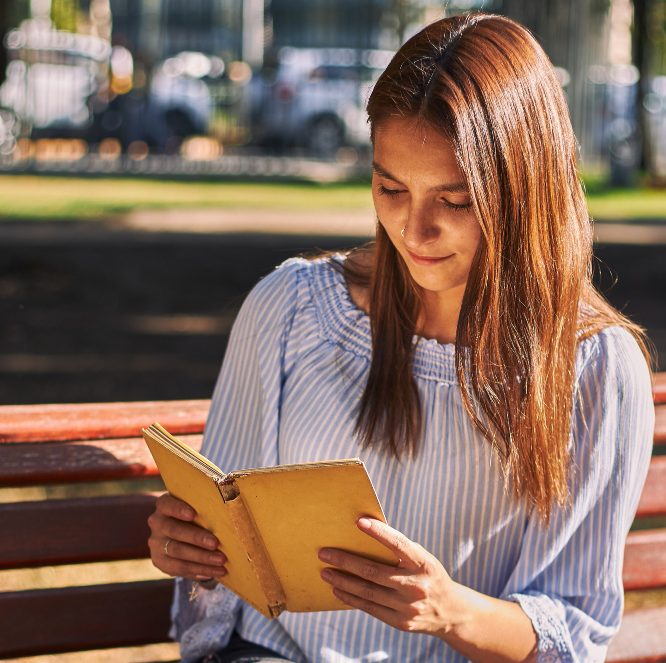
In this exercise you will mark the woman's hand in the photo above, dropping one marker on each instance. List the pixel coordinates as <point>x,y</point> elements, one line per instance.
<point>418,595</point>
<point>178,546</point>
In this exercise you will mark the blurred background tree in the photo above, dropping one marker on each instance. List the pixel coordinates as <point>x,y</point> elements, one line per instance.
<point>649,56</point>
<point>11,13</point>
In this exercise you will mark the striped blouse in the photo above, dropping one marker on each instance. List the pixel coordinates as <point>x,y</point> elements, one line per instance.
<point>293,374</point>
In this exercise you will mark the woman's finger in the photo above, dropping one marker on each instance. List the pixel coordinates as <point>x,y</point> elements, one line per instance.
<point>188,533</point>
<point>162,528</point>
<point>410,554</point>
<point>185,552</point>
<point>178,546</point>
<point>168,505</point>
<point>191,570</point>
<point>375,572</point>
<point>363,589</point>
<point>386,615</point>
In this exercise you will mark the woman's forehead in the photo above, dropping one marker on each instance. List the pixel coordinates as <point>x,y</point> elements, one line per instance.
<point>405,145</point>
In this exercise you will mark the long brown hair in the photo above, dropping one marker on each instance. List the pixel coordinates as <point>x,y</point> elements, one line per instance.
<point>485,84</point>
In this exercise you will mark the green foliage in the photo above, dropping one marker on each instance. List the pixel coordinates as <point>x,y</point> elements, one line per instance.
<point>656,37</point>
<point>18,10</point>
<point>64,13</point>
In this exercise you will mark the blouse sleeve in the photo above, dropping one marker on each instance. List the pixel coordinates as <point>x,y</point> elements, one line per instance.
<point>568,579</point>
<point>241,431</point>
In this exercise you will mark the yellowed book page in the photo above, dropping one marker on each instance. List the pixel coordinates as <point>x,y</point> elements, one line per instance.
<point>200,491</point>
<point>300,509</point>
<point>157,430</point>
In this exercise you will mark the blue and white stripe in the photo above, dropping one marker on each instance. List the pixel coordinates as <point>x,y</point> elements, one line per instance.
<point>294,371</point>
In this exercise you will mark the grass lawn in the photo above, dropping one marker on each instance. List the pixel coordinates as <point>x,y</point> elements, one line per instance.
<point>62,198</point>
<point>32,197</point>
<point>628,205</point>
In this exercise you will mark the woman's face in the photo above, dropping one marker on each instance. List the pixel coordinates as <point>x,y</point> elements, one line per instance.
<point>422,201</point>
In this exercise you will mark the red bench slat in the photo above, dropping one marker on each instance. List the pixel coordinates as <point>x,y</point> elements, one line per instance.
<point>645,559</point>
<point>86,421</point>
<point>653,497</point>
<point>660,425</point>
<point>78,618</point>
<point>75,530</point>
<point>659,387</point>
<point>68,462</point>
<point>112,528</point>
<point>640,638</point>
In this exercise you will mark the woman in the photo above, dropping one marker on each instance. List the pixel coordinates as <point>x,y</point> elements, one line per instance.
<point>502,408</point>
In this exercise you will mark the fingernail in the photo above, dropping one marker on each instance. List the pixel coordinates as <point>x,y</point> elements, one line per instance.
<point>327,575</point>
<point>218,558</point>
<point>364,523</point>
<point>211,542</point>
<point>202,578</point>
<point>325,555</point>
<point>187,514</point>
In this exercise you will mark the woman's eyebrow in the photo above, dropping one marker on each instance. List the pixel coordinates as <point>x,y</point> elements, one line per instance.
<point>383,172</point>
<point>453,187</point>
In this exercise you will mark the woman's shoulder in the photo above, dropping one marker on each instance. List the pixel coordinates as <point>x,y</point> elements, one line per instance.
<point>299,283</point>
<point>296,273</point>
<point>607,341</point>
<point>613,353</point>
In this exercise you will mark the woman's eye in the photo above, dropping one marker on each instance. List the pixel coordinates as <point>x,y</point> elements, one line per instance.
<point>391,193</point>
<point>455,207</point>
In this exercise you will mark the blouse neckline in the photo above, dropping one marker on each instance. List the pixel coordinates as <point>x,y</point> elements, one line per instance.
<point>348,326</point>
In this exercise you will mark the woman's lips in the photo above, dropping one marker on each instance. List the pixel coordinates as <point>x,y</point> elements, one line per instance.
<point>426,260</point>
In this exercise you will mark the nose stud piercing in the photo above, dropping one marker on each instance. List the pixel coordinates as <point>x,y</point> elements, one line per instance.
<point>402,232</point>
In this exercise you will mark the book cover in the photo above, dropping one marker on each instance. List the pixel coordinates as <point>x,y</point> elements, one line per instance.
<point>272,521</point>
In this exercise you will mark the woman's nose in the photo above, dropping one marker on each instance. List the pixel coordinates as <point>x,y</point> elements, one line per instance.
<point>420,227</point>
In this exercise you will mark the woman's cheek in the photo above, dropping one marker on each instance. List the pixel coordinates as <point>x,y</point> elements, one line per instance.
<point>390,217</point>
<point>391,229</point>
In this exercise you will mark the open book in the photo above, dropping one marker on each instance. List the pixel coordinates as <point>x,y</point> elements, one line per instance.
<point>271,522</point>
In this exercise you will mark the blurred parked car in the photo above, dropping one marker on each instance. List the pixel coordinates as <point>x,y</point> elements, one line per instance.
<point>176,104</point>
<point>51,78</point>
<point>315,98</point>
<point>65,85</point>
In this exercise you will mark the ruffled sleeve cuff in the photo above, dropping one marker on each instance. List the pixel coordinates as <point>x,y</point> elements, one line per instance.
<point>548,620</point>
<point>202,621</point>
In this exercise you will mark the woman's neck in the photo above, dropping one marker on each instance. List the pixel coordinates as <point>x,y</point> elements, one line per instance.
<point>439,319</point>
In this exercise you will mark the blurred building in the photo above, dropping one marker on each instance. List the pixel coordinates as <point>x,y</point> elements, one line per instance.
<point>157,29</point>
<point>248,28</point>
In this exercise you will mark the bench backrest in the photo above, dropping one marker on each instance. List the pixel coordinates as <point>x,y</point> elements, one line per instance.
<point>78,444</point>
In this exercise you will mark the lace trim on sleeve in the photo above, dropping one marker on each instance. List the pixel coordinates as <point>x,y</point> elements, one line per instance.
<point>204,624</point>
<point>553,639</point>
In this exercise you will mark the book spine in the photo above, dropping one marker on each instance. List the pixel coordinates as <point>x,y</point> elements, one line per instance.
<point>254,546</point>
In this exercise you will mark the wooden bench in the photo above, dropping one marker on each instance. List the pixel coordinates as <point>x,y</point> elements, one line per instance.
<point>81,445</point>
